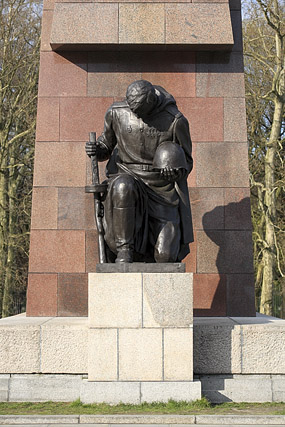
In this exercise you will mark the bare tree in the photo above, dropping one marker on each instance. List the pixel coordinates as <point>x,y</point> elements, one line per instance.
<point>19,58</point>
<point>264,29</point>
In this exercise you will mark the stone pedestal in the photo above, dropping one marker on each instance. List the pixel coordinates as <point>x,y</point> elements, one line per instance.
<point>141,336</point>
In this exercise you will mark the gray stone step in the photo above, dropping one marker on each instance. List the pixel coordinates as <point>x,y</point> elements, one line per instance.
<point>142,420</point>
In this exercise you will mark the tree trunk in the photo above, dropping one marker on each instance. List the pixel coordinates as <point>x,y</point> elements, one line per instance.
<point>269,254</point>
<point>283,297</point>
<point>3,232</point>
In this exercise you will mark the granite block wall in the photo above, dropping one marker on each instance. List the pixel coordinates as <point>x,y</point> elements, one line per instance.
<point>75,90</point>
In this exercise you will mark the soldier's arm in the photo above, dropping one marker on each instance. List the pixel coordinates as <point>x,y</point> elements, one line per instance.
<point>183,138</point>
<point>106,142</point>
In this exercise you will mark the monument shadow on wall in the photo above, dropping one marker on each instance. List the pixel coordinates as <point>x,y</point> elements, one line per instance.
<point>230,255</point>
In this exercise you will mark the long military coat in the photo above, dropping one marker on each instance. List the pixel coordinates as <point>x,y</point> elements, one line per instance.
<point>130,143</point>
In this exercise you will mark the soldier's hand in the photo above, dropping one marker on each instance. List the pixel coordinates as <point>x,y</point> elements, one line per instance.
<point>91,148</point>
<point>171,174</point>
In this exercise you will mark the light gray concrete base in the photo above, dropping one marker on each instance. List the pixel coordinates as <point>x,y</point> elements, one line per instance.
<point>225,360</point>
<point>138,392</point>
<point>67,388</point>
<point>243,388</point>
<point>222,345</point>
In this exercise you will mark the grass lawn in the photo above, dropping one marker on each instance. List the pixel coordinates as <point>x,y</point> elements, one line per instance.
<point>180,408</point>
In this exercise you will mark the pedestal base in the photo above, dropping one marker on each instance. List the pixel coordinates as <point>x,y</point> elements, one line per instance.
<point>140,343</point>
<point>236,359</point>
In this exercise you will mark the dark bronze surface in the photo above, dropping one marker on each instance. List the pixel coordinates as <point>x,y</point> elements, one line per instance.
<point>141,267</point>
<point>147,216</point>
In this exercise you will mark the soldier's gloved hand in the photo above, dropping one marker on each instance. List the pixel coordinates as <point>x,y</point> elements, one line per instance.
<point>91,148</point>
<point>172,175</point>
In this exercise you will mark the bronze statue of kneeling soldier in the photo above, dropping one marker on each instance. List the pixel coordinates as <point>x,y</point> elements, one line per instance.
<point>147,215</point>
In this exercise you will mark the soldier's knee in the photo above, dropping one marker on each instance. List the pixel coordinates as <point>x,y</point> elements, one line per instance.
<point>163,255</point>
<point>124,191</point>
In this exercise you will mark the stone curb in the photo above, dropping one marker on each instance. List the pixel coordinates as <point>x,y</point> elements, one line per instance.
<point>38,419</point>
<point>144,419</point>
<point>240,419</point>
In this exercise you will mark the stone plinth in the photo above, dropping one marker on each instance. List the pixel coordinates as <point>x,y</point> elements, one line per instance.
<point>141,331</point>
<point>238,359</point>
<point>160,25</point>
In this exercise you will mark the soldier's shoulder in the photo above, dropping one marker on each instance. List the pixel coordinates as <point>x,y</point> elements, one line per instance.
<point>119,105</point>
<point>173,111</point>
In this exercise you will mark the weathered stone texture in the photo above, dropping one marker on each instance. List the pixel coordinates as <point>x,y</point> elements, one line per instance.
<point>20,350</point>
<point>217,347</point>
<point>198,24</point>
<point>178,354</point>
<point>164,391</point>
<point>140,354</point>
<point>168,300</point>
<point>115,300</point>
<point>102,355</point>
<point>112,392</point>
<point>57,251</point>
<point>136,20</point>
<point>36,388</point>
<point>85,23</point>
<point>263,355</point>
<point>64,346</point>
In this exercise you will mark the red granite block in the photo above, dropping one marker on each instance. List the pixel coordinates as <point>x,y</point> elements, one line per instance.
<point>129,1</point>
<point>191,180</point>
<point>237,30</point>
<point>75,209</point>
<point>239,252</point>
<point>222,165</point>
<point>214,85</point>
<point>204,200</point>
<point>72,294</point>
<point>219,62</point>
<point>110,84</point>
<point>206,117</point>
<point>198,24</point>
<point>136,20</point>
<point>57,251</point>
<point>60,164</point>
<point>191,259</point>
<point>240,295</point>
<point>48,4</point>
<point>44,208</point>
<point>224,251</point>
<point>79,116</point>
<point>91,251</point>
<point>141,62</point>
<point>42,295</point>
<point>210,1</point>
<point>237,209</point>
<point>178,84</point>
<point>235,120</point>
<point>235,4</point>
<point>48,119</point>
<point>46,30</point>
<point>211,248</point>
<point>90,23</point>
<point>63,75</point>
<point>210,295</point>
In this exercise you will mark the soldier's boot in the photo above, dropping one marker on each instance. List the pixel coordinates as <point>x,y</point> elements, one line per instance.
<point>124,227</point>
